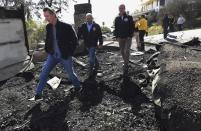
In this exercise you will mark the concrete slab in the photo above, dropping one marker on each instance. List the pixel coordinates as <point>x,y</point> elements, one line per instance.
<point>182,37</point>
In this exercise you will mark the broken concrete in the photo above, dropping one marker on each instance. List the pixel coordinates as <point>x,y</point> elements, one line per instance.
<point>181,36</point>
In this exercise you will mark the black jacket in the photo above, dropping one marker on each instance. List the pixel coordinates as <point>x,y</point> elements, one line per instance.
<point>66,39</point>
<point>165,22</point>
<point>124,28</point>
<point>90,38</point>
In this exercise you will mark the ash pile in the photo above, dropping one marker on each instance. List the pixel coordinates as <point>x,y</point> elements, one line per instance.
<point>176,86</point>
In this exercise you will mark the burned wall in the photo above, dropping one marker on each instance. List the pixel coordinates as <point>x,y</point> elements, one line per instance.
<point>13,42</point>
<point>79,17</point>
<point>10,13</point>
<point>80,12</point>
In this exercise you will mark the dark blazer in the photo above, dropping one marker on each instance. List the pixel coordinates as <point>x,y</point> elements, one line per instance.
<point>124,28</point>
<point>90,38</point>
<point>66,39</point>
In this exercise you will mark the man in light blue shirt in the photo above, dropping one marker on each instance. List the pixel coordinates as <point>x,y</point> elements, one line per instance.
<point>92,35</point>
<point>57,53</point>
<point>89,26</point>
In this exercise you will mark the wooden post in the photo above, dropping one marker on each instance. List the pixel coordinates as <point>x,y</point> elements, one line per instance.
<point>89,1</point>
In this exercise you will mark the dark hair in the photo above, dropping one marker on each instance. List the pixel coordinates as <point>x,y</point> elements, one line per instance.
<point>143,16</point>
<point>51,11</point>
<point>122,5</point>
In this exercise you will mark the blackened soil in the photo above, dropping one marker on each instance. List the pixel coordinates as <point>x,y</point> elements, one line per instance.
<point>180,88</point>
<point>107,103</point>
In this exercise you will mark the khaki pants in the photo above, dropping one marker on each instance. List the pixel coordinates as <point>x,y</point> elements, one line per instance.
<point>136,35</point>
<point>125,44</point>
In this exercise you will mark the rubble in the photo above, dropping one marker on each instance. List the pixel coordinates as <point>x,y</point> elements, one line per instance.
<point>177,88</point>
<point>54,82</point>
<point>161,91</point>
<point>109,102</point>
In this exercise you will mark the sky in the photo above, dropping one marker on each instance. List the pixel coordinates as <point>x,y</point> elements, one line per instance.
<point>102,10</point>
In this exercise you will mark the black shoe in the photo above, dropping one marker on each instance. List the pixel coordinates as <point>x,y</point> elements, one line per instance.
<point>36,98</point>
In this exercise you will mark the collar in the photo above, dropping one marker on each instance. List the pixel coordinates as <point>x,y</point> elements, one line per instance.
<point>90,23</point>
<point>122,15</point>
<point>57,22</point>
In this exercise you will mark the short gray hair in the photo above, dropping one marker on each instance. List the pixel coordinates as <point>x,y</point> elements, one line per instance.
<point>89,14</point>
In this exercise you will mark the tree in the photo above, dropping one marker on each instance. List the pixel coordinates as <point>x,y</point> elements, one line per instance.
<point>186,8</point>
<point>32,7</point>
<point>35,32</point>
<point>177,7</point>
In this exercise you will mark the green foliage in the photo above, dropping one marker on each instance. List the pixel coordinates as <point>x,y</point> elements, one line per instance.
<point>189,9</point>
<point>105,29</point>
<point>155,29</point>
<point>35,32</point>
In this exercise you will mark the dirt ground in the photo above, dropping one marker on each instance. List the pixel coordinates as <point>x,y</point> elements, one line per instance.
<point>107,103</point>
<point>180,88</point>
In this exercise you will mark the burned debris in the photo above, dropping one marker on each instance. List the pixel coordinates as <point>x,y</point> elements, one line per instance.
<point>160,92</point>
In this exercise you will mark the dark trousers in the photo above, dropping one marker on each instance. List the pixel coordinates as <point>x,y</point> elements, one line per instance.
<point>171,28</point>
<point>165,32</point>
<point>141,36</point>
<point>93,61</point>
<point>180,27</point>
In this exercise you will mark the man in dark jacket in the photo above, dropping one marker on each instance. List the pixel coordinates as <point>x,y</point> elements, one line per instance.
<point>124,29</point>
<point>165,25</point>
<point>92,34</point>
<point>171,23</point>
<point>60,44</point>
